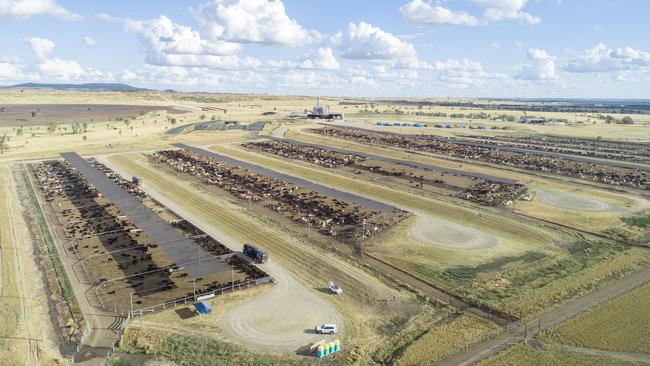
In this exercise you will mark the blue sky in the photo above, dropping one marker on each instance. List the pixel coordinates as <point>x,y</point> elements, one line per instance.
<point>411,48</point>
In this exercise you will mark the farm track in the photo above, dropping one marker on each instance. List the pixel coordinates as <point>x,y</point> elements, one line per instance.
<point>624,356</point>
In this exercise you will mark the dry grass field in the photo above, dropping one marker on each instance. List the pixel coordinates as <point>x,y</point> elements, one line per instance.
<point>523,354</point>
<point>620,325</point>
<point>439,342</point>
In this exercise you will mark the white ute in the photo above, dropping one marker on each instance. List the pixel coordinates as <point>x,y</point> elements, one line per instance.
<point>335,289</point>
<point>325,329</point>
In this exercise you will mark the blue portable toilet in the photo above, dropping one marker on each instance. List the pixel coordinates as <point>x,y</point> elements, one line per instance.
<point>396,124</point>
<point>447,126</point>
<point>482,127</point>
<point>463,126</point>
<point>419,124</point>
<point>203,307</point>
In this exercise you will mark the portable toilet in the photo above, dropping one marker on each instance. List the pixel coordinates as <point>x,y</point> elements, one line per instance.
<point>463,126</point>
<point>406,124</point>
<point>337,345</point>
<point>482,127</point>
<point>332,347</point>
<point>419,124</point>
<point>203,307</point>
<point>320,351</point>
<point>397,124</point>
<point>447,126</point>
<point>326,349</point>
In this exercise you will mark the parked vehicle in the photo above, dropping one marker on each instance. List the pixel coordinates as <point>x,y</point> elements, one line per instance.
<point>325,329</point>
<point>335,289</point>
<point>256,254</point>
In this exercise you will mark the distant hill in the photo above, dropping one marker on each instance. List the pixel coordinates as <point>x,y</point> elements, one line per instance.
<point>86,87</point>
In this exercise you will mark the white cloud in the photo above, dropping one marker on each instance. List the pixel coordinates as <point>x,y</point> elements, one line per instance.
<point>128,75</point>
<point>89,41</point>
<point>162,36</point>
<point>41,46</point>
<point>324,59</point>
<point>251,21</point>
<point>25,9</point>
<point>170,44</point>
<point>541,67</point>
<point>57,69</point>
<point>366,42</point>
<point>496,10</point>
<point>424,12</point>
<point>461,74</point>
<point>603,59</point>
<point>10,70</point>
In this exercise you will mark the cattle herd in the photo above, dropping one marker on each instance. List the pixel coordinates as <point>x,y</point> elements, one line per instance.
<point>329,216</point>
<point>111,248</point>
<point>482,191</point>
<point>597,148</point>
<point>451,147</point>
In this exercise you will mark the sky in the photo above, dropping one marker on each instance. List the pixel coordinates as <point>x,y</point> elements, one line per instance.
<point>388,48</point>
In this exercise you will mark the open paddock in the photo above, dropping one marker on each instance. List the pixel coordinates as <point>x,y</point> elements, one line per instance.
<point>14,115</point>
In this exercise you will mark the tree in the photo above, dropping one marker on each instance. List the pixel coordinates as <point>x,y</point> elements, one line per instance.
<point>51,128</point>
<point>202,117</point>
<point>19,132</point>
<point>627,120</point>
<point>85,127</point>
<point>76,128</point>
<point>173,121</point>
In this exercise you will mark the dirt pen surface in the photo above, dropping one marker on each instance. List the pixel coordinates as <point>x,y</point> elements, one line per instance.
<point>571,201</point>
<point>449,235</point>
<point>14,115</point>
